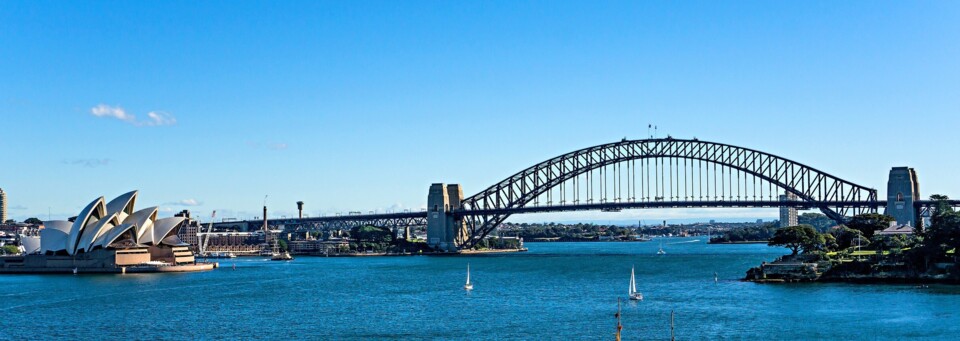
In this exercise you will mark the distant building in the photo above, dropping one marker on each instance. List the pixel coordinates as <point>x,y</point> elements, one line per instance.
<point>788,215</point>
<point>895,229</point>
<point>3,206</point>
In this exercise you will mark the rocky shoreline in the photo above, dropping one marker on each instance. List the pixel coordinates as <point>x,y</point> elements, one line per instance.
<point>797,271</point>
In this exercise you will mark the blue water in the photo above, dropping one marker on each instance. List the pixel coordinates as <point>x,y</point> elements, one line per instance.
<point>558,291</point>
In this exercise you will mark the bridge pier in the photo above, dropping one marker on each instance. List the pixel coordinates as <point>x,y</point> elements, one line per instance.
<point>444,231</point>
<point>902,190</point>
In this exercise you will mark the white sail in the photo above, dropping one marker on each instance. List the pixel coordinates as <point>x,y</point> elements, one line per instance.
<point>468,274</point>
<point>633,283</point>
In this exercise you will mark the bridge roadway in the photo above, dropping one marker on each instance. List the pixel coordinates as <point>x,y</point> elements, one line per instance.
<point>400,219</point>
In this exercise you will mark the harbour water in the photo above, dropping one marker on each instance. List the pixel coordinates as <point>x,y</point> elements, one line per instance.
<point>554,291</point>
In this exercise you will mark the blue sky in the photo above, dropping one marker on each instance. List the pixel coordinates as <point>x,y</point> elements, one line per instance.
<point>359,105</point>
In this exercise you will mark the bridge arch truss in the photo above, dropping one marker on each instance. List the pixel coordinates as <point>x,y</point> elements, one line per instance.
<point>660,171</point>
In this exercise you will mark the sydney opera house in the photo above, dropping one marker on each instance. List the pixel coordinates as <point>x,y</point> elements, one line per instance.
<point>108,237</point>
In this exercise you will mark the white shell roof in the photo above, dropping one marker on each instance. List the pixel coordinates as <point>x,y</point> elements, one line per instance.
<point>92,232</point>
<point>112,235</point>
<point>90,214</point>
<point>143,220</point>
<point>53,236</point>
<point>165,227</point>
<point>101,224</point>
<point>31,244</point>
<point>123,205</point>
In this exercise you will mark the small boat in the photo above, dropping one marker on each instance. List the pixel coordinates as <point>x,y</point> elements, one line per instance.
<point>468,286</point>
<point>281,256</point>
<point>634,294</point>
<point>218,255</point>
<point>661,252</point>
<point>277,254</point>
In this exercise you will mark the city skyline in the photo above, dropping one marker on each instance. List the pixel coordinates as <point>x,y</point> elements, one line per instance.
<point>361,106</point>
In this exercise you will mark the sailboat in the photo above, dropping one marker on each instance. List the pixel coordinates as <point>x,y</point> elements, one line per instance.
<point>634,294</point>
<point>661,252</point>
<point>468,286</point>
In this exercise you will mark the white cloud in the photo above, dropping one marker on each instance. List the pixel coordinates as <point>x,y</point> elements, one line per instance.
<point>154,118</point>
<point>117,112</point>
<point>277,146</point>
<point>159,118</point>
<point>185,202</point>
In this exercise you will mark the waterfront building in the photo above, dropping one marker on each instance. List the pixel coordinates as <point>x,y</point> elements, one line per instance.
<point>108,237</point>
<point>189,230</point>
<point>895,229</point>
<point>317,247</point>
<point>236,242</point>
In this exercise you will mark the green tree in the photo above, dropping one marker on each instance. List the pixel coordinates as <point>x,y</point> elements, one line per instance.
<point>11,249</point>
<point>33,221</point>
<point>797,237</point>
<point>371,237</point>
<point>847,237</point>
<point>869,222</point>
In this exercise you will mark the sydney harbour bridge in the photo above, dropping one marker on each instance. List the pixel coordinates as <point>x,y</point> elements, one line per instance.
<point>648,173</point>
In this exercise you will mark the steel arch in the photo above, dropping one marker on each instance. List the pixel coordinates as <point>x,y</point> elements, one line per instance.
<point>809,184</point>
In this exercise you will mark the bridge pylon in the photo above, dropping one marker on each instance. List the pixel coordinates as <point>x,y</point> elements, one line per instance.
<point>445,231</point>
<point>902,190</point>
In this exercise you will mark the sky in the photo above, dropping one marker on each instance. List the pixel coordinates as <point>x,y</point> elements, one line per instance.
<point>361,105</point>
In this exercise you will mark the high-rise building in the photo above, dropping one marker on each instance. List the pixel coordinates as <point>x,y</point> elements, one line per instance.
<point>3,206</point>
<point>788,215</point>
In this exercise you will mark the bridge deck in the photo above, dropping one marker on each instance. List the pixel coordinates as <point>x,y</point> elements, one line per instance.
<point>601,206</point>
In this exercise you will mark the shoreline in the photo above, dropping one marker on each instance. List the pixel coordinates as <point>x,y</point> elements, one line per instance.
<point>741,242</point>
<point>384,254</point>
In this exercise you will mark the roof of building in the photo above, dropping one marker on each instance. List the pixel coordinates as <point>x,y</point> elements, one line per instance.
<point>100,225</point>
<point>896,229</point>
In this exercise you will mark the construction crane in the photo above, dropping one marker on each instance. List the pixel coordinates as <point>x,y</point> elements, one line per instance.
<point>206,236</point>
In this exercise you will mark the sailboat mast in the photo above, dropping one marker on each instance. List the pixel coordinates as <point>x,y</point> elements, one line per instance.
<point>468,273</point>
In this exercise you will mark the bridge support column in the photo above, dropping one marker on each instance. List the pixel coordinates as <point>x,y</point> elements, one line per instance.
<point>902,190</point>
<point>444,230</point>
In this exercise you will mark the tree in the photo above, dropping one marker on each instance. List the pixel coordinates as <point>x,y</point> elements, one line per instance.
<point>797,237</point>
<point>819,221</point>
<point>33,221</point>
<point>869,222</point>
<point>847,237</point>
<point>371,237</point>
<point>11,249</point>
